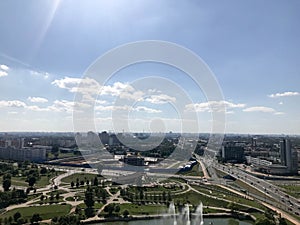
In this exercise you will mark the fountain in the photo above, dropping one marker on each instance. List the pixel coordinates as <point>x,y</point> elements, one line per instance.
<point>187,214</point>
<point>199,214</point>
<point>185,217</point>
<point>172,212</point>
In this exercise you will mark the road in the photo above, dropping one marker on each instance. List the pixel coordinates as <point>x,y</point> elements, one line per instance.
<point>278,198</point>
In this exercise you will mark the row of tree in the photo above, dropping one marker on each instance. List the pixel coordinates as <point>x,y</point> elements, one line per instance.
<point>17,219</point>
<point>141,196</point>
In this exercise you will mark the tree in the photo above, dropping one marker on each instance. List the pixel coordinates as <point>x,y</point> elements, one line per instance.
<point>66,220</point>
<point>6,183</point>
<point>35,218</point>
<point>57,196</point>
<point>164,196</point>
<point>51,197</point>
<point>89,201</point>
<point>72,184</point>
<point>17,215</point>
<point>117,208</point>
<point>55,149</point>
<point>169,196</point>
<point>282,221</point>
<point>89,198</point>
<point>270,214</point>
<point>141,194</point>
<point>31,181</point>
<point>43,170</point>
<point>89,212</point>
<point>56,154</point>
<point>264,221</point>
<point>78,210</point>
<point>109,209</point>
<point>126,213</point>
<point>96,182</point>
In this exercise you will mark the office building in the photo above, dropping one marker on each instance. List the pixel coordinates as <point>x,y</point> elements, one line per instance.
<point>231,152</point>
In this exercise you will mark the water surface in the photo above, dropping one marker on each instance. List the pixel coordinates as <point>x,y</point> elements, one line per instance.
<point>168,221</point>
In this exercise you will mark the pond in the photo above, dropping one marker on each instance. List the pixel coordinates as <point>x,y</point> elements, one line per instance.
<point>169,221</point>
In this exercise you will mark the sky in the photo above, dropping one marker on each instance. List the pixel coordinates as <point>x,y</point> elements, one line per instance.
<point>251,47</point>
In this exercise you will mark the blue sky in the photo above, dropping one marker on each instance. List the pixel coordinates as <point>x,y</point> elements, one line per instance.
<point>252,47</point>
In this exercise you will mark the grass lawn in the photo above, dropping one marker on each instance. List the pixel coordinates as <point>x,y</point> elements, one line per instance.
<point>222,193</point>
<point>45,180</point>
<point>97,205</point>
<point>248,188</point>
<point>46,212</point>
<point>293,190</point>
<point>195,198</point>
<point>80,176</point>
<point>42,182</point>
<point>17,181</point>
<point>135,209</point>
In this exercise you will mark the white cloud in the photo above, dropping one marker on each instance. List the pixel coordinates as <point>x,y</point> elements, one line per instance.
<point>160,99</point>
<point>260,109</point>
<point>280,103</point>
<point>100,102</point>
<point>122,90</point>
<point>146,109</point>
<point>3,73</point>
<point>84,86</point>
<point>37,99</point>
<point>153,91</point>
<point>284,94</point>
<point>279,113</point>
<point>44,75</point>
<point>116,89</point>
<point>101,108</point>
<point>13,103</point>
<point>90,87</point>
<point>37,108</point>
<point>4,67</point>
<point>67,106</point>
<point>210,106</point>
<point>59,106</point>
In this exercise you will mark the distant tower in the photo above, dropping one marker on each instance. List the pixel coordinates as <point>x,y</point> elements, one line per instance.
<point>285,148</point>
<point>253,142</point>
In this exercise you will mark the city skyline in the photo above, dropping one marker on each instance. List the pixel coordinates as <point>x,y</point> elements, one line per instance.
<point>252,49</point>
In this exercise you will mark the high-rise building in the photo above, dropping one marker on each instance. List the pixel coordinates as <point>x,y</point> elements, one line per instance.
<point>288,156</point>
<point>104,137</point>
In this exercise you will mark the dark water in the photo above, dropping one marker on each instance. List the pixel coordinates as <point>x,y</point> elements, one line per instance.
<point>207,221</point>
